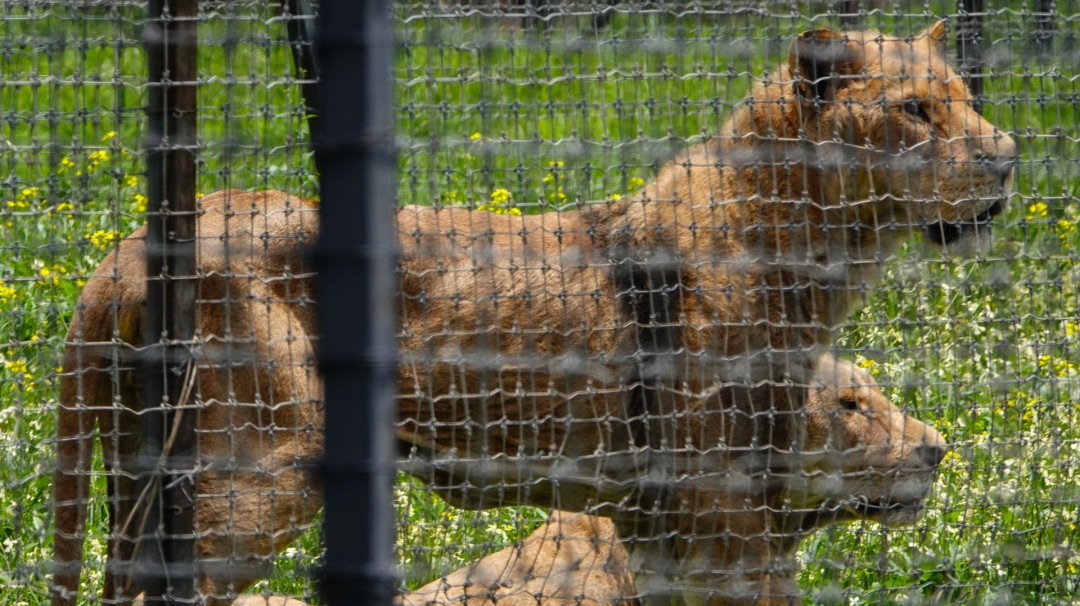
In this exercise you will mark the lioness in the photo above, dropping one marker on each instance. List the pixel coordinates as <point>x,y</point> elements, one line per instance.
<point>866,460</point>
<point>646,358</point>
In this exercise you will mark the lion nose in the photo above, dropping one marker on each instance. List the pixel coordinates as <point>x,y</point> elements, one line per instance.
<point>931,455</point>
<point>998,166</point>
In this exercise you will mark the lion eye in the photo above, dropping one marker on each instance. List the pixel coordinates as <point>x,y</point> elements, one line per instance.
<point>849,403</point>
<point>914,108</point>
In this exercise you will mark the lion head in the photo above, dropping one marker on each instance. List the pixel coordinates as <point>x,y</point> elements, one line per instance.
<point>864,458</point>
<point>901,127</point>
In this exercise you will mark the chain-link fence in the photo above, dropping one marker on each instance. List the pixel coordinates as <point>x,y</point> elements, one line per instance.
<point>77,154</point>
<point>715,272</point>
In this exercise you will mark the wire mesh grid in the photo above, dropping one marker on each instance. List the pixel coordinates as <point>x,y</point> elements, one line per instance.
<point>535,107</point>
<point>563,342</point>
<point>73,91</point>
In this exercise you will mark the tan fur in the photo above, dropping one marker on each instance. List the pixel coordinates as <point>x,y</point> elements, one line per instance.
<point>865,451</point>
<point>759,243</point>
<point>574,559</point>
<point>270,600</point>
<point>572,358</point>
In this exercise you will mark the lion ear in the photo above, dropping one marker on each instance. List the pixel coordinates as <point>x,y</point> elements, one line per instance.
<point>820,62</point>
<point>938,35</point>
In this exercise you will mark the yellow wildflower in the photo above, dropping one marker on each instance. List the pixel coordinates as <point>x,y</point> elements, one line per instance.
<point>1065,229</point>
<point>499,205</point>
<point>614,197</point>
<point>17,367</point>
<point>50,275</point>
<point>1071,328</point>
<point>104,239</point>
<point>22,374</point>
<point>108,136</point>
<point>7,294</point>
<point>869,365</point>
<point>500,196</point>
<point>499,210</point>
<point>131,181</point>
<point>635,183</point>
<point>1037,210</point>
<point>65,163</point>
<point>555,164</point>
<point>1057,366</point>
<point>475,136</point>
<point>140,203</point>
<point>24,198</point>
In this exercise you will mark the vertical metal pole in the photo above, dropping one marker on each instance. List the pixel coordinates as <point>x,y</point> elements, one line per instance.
<point>301,28</point>
<point>164,561</point>
<point>355,259</point>
<point>1045,12</point>
<point>1068,34</point>
<point>850,19</point>
<point>969,37</point>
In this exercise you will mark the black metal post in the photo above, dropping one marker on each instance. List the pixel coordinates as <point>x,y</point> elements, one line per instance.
<point>355,259</point>
<point>850,19</point>
<point>164,567</point>
<point>301,28</point>
<point>969,37</point>
<point>1045,12</point>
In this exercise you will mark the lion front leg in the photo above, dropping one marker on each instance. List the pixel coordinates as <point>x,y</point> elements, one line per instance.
<point>713,546</point>
<point>727,549</point>
<point>248,516</point>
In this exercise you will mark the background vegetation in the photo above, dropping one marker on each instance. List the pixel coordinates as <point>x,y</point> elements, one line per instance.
<point>497,112</point>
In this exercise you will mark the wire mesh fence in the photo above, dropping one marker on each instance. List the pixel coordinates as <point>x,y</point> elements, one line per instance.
<point>697,300</point>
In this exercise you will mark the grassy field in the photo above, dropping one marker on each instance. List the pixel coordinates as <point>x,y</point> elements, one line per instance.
<point>492,114</point>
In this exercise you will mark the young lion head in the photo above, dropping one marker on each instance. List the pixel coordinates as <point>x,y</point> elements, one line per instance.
<point>864,457</point>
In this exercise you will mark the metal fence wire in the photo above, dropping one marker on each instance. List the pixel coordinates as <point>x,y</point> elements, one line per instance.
<point>704,302</point>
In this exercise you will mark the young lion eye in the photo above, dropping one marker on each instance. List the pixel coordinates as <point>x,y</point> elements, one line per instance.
<point>914,108</point>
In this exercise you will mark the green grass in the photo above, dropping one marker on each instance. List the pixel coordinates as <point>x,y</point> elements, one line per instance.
<point>986,349</point>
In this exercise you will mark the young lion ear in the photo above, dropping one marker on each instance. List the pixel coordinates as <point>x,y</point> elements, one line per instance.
<point>938,35</point>
<point>820,60</point>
